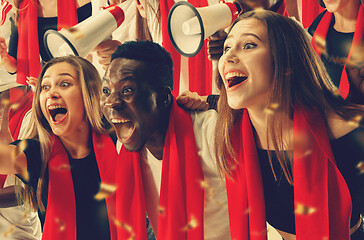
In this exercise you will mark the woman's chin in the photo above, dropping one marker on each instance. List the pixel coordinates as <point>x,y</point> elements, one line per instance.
<point>235,104</point>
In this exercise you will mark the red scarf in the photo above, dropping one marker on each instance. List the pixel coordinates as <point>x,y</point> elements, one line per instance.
<point>2,180</point>
<point>318,184</point>
<point>283,9</point>
<point>60,222</point>
<point>310,10</point>
<point>199,67</point>
<point>321,32</point>
<point>28,64</point>
<point>181,196</point>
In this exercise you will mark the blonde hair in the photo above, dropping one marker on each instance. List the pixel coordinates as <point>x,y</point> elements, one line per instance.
<point>299,78</point>
<point>39,129</point>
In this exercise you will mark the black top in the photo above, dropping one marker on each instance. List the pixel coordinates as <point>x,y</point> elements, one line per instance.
<point>91,215</point>
<point>44,24</point>
<point>338,46</point>
<point>279,201</point>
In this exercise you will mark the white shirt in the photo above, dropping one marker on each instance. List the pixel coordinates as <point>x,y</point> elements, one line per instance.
<point>17,222</point>
<point>216,208</point>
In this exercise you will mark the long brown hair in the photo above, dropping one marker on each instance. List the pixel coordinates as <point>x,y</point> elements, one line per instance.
<point>142,29</point>
<point>299,78</point>
<point>39,129</point>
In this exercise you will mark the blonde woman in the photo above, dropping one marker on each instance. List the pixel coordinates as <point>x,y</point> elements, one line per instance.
<point>66,156</point>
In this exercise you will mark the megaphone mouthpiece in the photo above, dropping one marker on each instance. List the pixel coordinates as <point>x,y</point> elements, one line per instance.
<point>191,27</point>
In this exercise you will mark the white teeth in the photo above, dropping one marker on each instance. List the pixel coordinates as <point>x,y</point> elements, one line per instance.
<point>234,74</point>
<point>119,121</point>
<point>54,107</point>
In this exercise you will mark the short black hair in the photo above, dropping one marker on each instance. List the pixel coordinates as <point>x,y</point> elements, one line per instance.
<point>158,61</point>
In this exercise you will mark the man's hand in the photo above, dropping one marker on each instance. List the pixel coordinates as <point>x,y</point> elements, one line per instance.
<point>215,45</point>
<point>105,50</point>
<point>7,61</point>
<point>192,101</point>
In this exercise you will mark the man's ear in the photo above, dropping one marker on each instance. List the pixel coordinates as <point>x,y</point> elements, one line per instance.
<point>141,9</point>
<point>164,97</point>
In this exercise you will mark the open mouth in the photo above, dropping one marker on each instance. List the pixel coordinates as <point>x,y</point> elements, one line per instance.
<point>124,128</point>
<point>235,81</point>
<point>234,78</point>
<point>58,113</point>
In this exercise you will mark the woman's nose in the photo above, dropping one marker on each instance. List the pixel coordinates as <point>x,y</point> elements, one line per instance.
<point>230,57</point>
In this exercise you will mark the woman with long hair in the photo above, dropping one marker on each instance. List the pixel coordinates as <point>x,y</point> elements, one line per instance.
<point>66,155</point>
<point>289,146</point>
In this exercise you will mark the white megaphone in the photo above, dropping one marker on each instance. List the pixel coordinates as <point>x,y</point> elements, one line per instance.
<point>80,39</point>
<point>188,26</point>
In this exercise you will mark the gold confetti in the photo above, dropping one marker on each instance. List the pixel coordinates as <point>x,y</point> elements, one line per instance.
<point>61,224</point>
<point>25,215</point>
<point>260,233</point>
<point>123,226</point>
<point>15,106</point>
<point>210,191</point>
<point>271,108</point>
<point>247,211</point>
<point>5,102</point>
<point>321,44</point>
<point>64,167</point>
<point>10,231</point>
<point>302,209</point>
<point>360,166</point>
<point>355,121</point>
<point>105,191</point>
<point>191,224</point>
<point>161,210</point>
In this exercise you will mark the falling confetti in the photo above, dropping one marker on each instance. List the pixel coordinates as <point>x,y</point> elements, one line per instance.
<point>61,224</point>
<point>271,108</point>
<point>191,224</point>
<point>10,231</point>
<point>360,166</point>
<point>355,121</point>
<point>259,233</point>
<point>15,106</point>
<point>302,209</point>
<point>321,44</point>
<point>126,227</point>
<point>5,102</point>
<point>105,191</point>
<point>161,210</point>
<point>210,191</point>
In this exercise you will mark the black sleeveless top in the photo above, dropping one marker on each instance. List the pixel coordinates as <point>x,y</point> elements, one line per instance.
<point>348,151</point>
